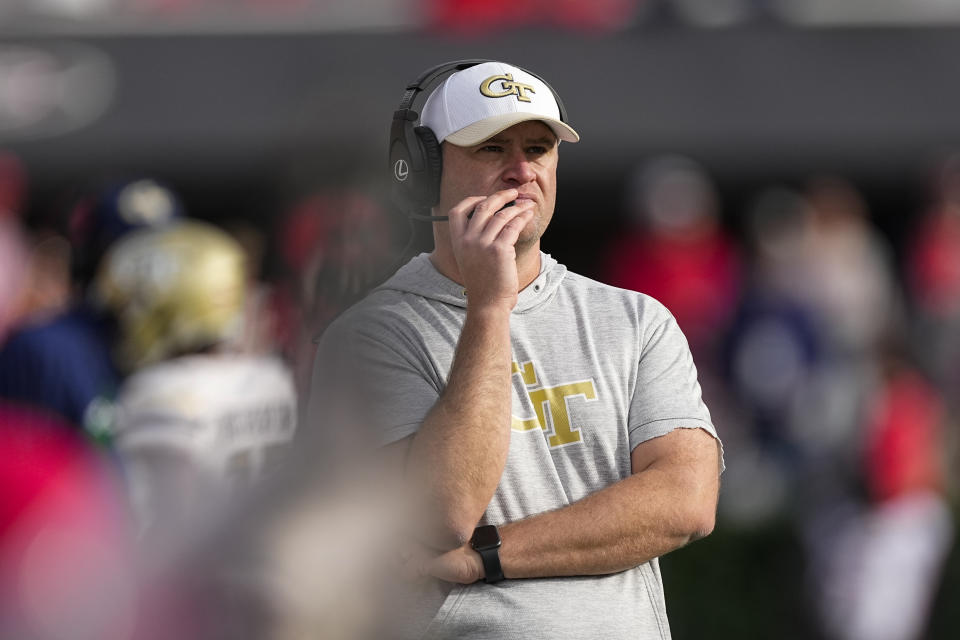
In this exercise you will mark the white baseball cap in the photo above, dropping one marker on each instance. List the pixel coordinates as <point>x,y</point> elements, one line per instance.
<point>479,102</point>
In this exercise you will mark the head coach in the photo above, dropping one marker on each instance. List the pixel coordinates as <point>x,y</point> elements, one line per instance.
<point>550,428</point>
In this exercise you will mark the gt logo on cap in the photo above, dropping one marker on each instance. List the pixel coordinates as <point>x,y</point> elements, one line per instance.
<point>509,88</point>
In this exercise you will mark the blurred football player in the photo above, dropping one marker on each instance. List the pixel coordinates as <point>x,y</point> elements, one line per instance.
<point>196,420</point>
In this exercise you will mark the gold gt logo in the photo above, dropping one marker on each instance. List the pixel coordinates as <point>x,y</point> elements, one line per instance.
<point>508,86</point>
<point>552,406</point>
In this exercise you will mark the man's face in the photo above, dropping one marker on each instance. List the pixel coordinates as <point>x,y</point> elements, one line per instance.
<point>523,157</point>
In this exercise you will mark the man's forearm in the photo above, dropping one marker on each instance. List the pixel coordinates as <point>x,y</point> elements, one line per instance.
<point>664,505</point>
<point>458,455</point>
<point>639,518</point>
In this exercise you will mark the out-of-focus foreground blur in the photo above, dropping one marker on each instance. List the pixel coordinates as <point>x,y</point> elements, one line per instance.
<point>190,190</point>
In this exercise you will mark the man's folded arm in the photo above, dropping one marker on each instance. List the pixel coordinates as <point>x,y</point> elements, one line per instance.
<point>669,500</point>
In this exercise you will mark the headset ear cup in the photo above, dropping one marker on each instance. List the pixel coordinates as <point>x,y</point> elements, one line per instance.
<point>429,185</point>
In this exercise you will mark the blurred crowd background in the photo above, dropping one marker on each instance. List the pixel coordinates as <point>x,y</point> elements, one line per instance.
<point>191,190</point>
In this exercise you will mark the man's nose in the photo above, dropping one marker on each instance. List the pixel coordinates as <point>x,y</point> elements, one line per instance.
<point>519,169</point>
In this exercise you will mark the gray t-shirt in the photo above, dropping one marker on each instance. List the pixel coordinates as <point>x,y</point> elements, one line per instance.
<point>597,371</point>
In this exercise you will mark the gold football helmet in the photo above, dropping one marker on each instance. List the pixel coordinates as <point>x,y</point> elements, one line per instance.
<point>173,290</point>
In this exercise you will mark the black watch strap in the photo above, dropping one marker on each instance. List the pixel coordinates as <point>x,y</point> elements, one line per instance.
<point>486,542</point>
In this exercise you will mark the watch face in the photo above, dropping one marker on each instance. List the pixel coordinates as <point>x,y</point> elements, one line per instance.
<point>485,537</point>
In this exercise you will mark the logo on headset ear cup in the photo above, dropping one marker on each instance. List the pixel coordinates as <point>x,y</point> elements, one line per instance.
<point>401,170</point>
<point>416,170</point>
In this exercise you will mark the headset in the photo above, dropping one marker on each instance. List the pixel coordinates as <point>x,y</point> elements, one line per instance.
<point>416,160</point>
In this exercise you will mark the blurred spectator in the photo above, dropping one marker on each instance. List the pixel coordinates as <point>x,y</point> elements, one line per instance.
<point>13,265</point>
<point>47,259</point>
<point>67,567</point>
<point>805,357</point>
<point>933,276</point>
<point>934,267</point>
<point>334,246</point>
<point>14,250</point>
<point>807,380</point>
<point>48,291</point>
<point>13,184</point>
<point>801,356</point>
<point>770,358</point>
<point>676,251</point>
<point>883,560</point>
<point>62,363</point>
<point>774,344</point>
<point>262,332</point>
<point>905,438</point>
<point>775,227</point>
<point>196,422</point>
<point>848,267</point>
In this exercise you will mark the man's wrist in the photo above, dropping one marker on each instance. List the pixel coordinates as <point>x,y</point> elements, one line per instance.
<point>477,562</point>
<point>486,543</point>
<point>491,309</point>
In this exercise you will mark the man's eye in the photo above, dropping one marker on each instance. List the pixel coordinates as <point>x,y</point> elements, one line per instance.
<point>491,147</point>
<point>537,150</point>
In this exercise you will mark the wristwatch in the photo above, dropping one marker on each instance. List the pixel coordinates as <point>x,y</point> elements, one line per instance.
<point>486,542</point>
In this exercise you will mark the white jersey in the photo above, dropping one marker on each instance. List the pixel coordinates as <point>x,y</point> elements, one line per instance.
<point>201,427</point>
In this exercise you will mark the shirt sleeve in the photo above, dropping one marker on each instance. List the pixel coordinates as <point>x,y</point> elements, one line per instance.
<point>667,395</point>
<point>372,381</point>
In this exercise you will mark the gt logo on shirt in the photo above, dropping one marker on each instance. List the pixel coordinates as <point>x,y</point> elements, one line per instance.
<point>550,406</point>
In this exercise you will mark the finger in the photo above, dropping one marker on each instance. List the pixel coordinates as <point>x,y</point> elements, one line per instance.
<point>458,214</point>
<point>490,205</point>
<point>506,206</point>
<point>511,230</point>
<point>500,219</point>
<point>437,568</point>
<point>453,566</point>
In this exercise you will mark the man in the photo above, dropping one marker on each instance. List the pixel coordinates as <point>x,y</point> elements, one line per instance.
<point>524,403</point>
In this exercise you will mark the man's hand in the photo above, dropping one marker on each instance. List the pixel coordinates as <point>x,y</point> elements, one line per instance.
<point>462,565</point>
<point>483,234</point>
